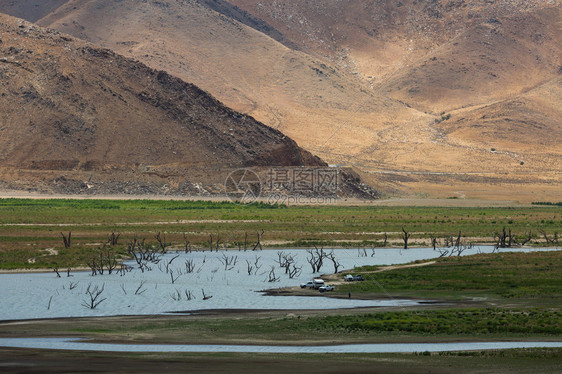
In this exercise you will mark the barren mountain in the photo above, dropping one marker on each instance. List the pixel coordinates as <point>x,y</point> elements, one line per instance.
<point>69,106</point>
<point>323,108</point>
<point>412,93</point>
<point>31,10</point>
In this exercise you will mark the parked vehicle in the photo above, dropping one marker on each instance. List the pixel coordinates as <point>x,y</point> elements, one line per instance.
<point>309,284</point>
<point>315,283</point>
<point>353,278</point>
<point>326,288</point>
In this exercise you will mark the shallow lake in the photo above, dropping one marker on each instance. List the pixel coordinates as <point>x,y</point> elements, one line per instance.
<point>44,295</point>
<point>76,344</point>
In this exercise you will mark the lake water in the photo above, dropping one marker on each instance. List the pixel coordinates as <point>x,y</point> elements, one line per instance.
<point>43,295</point>
<point>76,344</point>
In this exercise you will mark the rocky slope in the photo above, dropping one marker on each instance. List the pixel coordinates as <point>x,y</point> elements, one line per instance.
<point>74,108</point>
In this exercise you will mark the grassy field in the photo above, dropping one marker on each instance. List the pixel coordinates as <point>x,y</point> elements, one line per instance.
<point>30,229</point>
<point>507,277</point>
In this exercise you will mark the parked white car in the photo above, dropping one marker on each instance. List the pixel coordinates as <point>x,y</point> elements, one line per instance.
<point>326,288</point>
<point>315,283</point>
<point>309,284</point>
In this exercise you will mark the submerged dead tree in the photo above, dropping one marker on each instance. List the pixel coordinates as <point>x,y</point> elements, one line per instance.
<point>285,261</point>
<point>229,262</point>
<point>316,259</point>
<point>434,242</point>
<point>143,253</point>
<point>272,276</point>
<point>332,257</point>
<point>255,267</point>
<point>106,260</point>
<point>258,242</point>
<point>507,239</point>
<point>94,297</point>
<point>205,296</point>
<point>405,237</point>
<point>162,243</point>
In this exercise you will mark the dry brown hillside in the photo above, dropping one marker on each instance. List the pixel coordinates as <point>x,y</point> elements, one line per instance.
<point>73,109</point>
<point>31,10</point>
<point>413,93</point>
<point>325,109</point>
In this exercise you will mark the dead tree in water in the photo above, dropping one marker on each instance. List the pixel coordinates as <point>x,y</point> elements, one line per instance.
<point>188,295</point>
<point>140,290</point>
<point>316,259</point>
<point>434,242</point>
<point>250,267</point>
<point>66,239</point>
<point>106,261</point>
<point>330,256</point>
<point>458,242</point>
<point>272,276</point>
<point>94,297</point>
<point>205,297</point>
<point>143,253</point>
<point>295,271</point>
<point>255,267</point>
<point>229,262</point>
<point>505,239</point>
<point>189,266</point>
<point>405,237</point>
<point>162,243</point>
<point>285,261</point>
<point>170,263</point>
<point>258,243</point>
<point>176,277</point>
<point>443,252</point>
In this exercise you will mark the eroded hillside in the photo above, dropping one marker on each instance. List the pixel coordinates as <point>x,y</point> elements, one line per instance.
<point>69,106</point>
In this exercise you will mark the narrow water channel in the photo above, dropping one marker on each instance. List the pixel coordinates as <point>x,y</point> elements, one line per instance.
<point>75,344</point>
